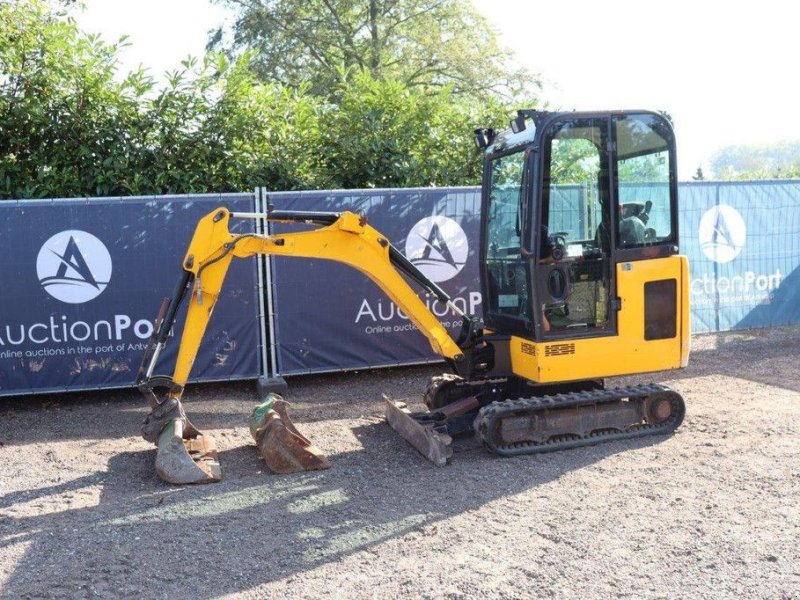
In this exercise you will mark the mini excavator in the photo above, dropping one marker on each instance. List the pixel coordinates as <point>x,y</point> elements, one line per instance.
<point>581,280</point>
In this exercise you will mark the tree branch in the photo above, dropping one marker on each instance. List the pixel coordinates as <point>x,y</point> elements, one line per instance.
<point>348,34</point>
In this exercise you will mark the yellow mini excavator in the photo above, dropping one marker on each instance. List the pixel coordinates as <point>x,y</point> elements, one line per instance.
<point>581,280</point>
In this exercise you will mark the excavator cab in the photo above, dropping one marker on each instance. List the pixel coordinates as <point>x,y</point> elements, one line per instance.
<point>580,245</point>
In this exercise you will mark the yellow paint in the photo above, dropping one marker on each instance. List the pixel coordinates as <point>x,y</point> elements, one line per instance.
<point>349,240</point>
<point>622,354</point>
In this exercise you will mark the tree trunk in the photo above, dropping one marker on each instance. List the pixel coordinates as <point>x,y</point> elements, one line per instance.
<point>374,59</point>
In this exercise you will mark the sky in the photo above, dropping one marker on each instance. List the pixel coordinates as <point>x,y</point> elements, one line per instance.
<point>722,69</point>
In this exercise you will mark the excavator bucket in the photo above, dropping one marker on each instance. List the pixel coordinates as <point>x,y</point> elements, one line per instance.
<point>185,455</point>
<point>281,445</point>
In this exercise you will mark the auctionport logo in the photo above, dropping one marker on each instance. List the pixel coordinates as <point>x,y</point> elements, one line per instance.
<point>722,233</point>
<point>73,266</point>
<point>438,247</point>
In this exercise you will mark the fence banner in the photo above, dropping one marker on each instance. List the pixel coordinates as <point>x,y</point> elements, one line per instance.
<point>743,244</point>
<point>83,280</point>
<point>742,240</point>
<point>330,317</point>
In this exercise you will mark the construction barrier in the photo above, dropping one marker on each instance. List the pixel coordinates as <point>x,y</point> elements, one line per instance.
<point>743,243</point>
<point>327,316</point>
<point>83,280</point>
<point>742,240</point>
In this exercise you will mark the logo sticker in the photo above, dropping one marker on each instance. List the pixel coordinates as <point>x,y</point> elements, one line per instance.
<point>438,247</point>
<point>73,266</point>
<point>722,233</point>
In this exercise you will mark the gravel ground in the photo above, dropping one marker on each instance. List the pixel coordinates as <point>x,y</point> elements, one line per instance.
<point>712,511</point>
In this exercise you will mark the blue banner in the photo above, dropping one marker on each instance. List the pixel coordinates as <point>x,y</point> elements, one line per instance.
<point>742,241</point>
<point>743,244</point>
<point>84,279</point>
<point>330,317</point>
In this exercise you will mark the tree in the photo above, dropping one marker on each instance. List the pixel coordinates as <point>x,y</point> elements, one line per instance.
<point>72,126</point>
<point>62,114</point>
<point>382,133</point>
<point>770,161</point>
<point>418,43</point>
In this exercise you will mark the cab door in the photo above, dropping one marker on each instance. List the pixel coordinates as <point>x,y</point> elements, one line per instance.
<point>608,262</point>
<point>575,278</point>
<point>652,277</point>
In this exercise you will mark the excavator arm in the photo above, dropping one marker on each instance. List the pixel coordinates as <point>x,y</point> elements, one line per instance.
<point>184,453</point>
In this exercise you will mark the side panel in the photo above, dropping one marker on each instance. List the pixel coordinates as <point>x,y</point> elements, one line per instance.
<point>628,352</point>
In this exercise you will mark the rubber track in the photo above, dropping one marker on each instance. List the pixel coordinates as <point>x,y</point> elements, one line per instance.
<point>489,416</point>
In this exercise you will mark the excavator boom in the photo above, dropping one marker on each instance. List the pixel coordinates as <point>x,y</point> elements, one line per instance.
<point>185,455</point>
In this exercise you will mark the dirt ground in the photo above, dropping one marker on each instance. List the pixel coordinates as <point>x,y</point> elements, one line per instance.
<point>712,511</point>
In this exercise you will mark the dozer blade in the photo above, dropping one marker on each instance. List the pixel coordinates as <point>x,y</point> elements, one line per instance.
<point>281,445</point>
<point>432,444</point>
<point>186,455</point>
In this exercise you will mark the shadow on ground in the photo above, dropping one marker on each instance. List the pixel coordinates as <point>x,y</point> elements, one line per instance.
<point>755,355</point>
<point>249,530</point>
<point>136,535</point>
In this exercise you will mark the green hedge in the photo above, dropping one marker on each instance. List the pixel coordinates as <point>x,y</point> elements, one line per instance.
<point>72,126</point>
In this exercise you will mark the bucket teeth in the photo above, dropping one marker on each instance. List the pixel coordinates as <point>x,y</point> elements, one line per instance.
<point>281,445</point>
<point>186,455</point>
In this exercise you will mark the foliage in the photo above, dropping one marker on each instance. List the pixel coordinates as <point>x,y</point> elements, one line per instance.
<point>213,128</point>
<point>772,161</point>
<point>382,133</point>
<point>574,160</point>
<point>417,43</point>
<point>72,126</point>
<point>60,109</point>
<point>644,169</point>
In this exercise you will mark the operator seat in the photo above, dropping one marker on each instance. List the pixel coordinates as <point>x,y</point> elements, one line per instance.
<point>632,224</point>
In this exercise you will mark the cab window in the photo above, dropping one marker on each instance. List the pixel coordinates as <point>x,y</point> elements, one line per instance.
<point>643,158</point>
<point>506,268</point>
<point>574,248</point>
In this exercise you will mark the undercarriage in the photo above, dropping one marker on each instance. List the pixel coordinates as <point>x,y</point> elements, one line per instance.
<point>510,417</point>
